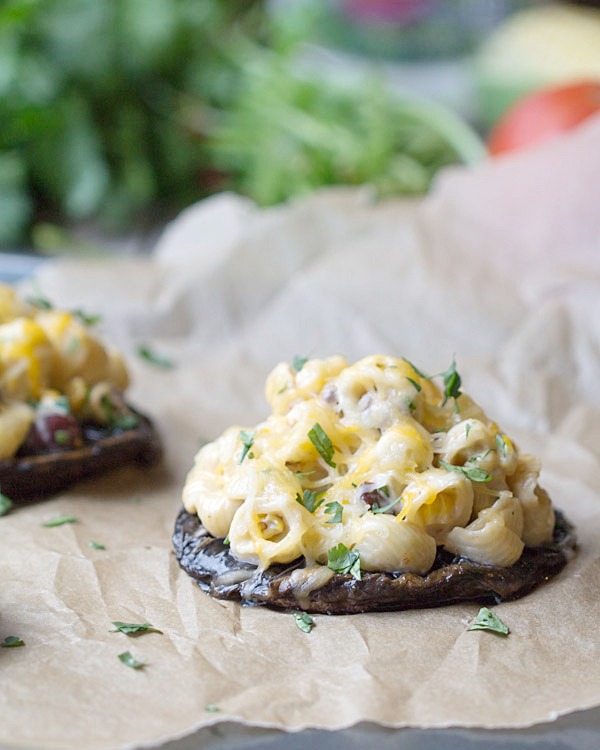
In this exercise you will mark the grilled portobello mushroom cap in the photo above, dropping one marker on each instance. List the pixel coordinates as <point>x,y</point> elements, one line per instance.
<point>34,475</point>
<point>209,561</point>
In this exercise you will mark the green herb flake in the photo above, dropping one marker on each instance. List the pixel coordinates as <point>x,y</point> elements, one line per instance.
<point>467,429</point>
<point>322,443</point>
<point>342,560</point>
<point>212,708</point>
<point>310,500</point>
<point>129,660</point>
<point>158,360</point>
<point>474,473</point>
<point>96,545</point>
<point>86,318</point>
<point>62,437</point>
<point>299,362</point>
<point>6,504</point>
<point>384,508</point>
<point>60,521</point>
<point>452,383</point>
<point>335,510</point>
<point>131,628</point>
<point>500,444</point>
<point>416,369</point>
<point>415,385</point>
<point>304,621</point>
<point>487,620</point>
<point>12,641</point>
<point>127,421</point>
<point>247,439</point>
<point>39,301</point>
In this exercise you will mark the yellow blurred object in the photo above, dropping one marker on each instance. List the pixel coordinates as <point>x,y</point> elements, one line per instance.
<point>553,43</point>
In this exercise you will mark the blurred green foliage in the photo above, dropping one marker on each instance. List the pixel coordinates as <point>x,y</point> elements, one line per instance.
<point>90,105</point>
<point>114,110</point>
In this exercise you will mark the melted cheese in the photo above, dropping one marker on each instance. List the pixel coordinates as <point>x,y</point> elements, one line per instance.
<point>344,441</point>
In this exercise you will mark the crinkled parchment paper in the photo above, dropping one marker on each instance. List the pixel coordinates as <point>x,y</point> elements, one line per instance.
<point>500,265</point>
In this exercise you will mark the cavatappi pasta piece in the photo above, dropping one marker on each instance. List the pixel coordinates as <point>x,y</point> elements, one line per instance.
<point>270,525</point>
<point>205,490</point>
<point>387,543</point>
<point>286,386</point>
<point>26,359</point>
<point>490,539</point>
<point>16,418</point>
<point>538,514</point>
<point>437,500</point>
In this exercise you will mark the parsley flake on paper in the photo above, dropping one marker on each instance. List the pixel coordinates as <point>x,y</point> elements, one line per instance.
<point>487,620</point>
<point>342,560</point>
<point>60,521</point>
<point>304,621</point>
<point>474,473</point>
<point>159,360</point>
<point>6,504</point>
<point>247,439</point>
<point>96,545</point>
<point>12,641</point>
<point>129,660</point>
<point>212,708</point>
<point>318,437</point>
<point>132,628</point>
<point>310,500</point>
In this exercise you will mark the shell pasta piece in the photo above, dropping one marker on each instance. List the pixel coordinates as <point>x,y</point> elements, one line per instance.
<point>389,544</point>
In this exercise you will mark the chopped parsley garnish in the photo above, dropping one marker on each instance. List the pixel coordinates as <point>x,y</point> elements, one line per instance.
<point>6,504</point>
<point>86,318</point>
<point>342,560</point>
<point>131,628</point>
<point>335,510</point>
<point>130,661</point>
<point>304,621</point>
<point>247,439</point>
<point>452,383</point>
<point>62,437</point>
<point>212,708</point>
<point>159,360</point>
<point>415,385</point>
<point>322,443</point>
<point>500,444</point>
<point>384,508</point>
<point>39,301</point>
<point>127,421</point>
<point>60,521</point>
<point>487,620</point>
<point>299,363</point>
<point>118,419</point>
<point>96,545</point>
<point>416,369</point>
<point>467,429</point>
<point>12,641</point>
<point>310,500</point>
<point>474,473</point>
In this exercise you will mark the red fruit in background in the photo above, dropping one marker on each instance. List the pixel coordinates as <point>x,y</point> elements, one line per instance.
<point>544,114</point>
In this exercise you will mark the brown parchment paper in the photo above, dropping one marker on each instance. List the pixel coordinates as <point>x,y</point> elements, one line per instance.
<point>500,265</point>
